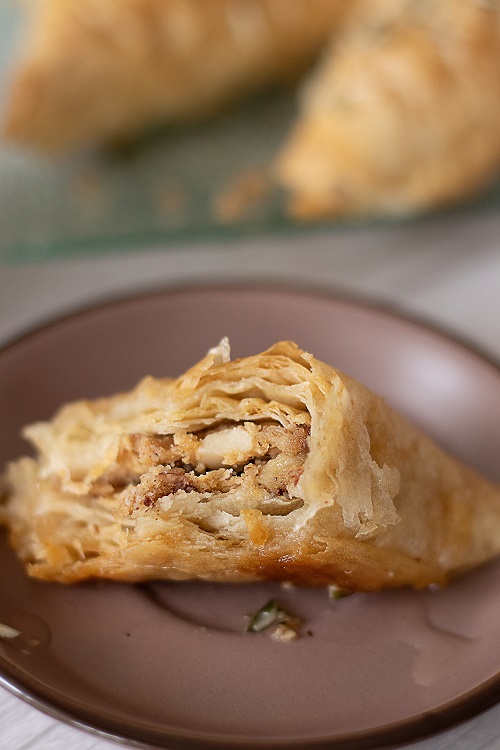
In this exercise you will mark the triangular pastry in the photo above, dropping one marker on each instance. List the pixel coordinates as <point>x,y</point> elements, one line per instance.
<point>95,71</point>
<point>401,115</point>
<point>272,467</point>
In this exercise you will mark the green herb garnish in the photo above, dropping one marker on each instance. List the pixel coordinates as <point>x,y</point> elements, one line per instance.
<point>335,592</point>
<point>270,614</point>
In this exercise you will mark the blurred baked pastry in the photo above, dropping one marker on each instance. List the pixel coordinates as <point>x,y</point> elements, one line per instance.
<point>272,467</point>
<point>401,115</point>
<point>100,70</point>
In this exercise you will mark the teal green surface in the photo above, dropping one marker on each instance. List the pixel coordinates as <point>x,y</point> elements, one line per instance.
<point>164,190</point>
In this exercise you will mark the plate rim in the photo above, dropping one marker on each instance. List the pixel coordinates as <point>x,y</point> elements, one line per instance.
<point>330,292</point>
<point>420,727</point>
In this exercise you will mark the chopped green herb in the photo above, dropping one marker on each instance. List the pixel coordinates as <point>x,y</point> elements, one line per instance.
<point>270,614</point>
<point>335,592</point>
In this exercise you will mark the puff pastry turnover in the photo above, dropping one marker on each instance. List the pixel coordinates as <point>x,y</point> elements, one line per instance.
<point>100,70</point>
<point>401,115</point>
<point>272,467</point>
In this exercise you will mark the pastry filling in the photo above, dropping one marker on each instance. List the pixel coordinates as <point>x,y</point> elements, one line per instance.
<point>209,475</point>
<point>225,480</point>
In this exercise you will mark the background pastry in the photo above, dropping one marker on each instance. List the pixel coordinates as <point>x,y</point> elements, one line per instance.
<point>98,70</point>
<point>401,115</point>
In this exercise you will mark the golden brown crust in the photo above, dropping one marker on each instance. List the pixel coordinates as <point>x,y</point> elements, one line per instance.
<point>401,115</point>
<point>102,70</point>
<point>271,467</point>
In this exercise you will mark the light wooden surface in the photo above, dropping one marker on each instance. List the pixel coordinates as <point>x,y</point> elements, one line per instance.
<point>446,270</point>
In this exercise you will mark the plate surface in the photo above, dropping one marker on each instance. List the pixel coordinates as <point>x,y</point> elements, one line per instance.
<point>169,664</point>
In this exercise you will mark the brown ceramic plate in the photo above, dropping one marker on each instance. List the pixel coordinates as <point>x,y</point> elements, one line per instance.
<point>168,664</point>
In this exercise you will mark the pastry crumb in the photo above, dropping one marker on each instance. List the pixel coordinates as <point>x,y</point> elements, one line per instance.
<point>285,633</point>
<point>243,194</point>
<point>171,200</point>
<point>6,631</point>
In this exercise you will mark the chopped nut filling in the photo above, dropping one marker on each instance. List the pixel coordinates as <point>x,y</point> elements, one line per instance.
<point>233,468</point>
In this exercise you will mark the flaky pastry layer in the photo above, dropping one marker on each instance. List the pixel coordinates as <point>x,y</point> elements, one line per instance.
<point>272,467</point>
